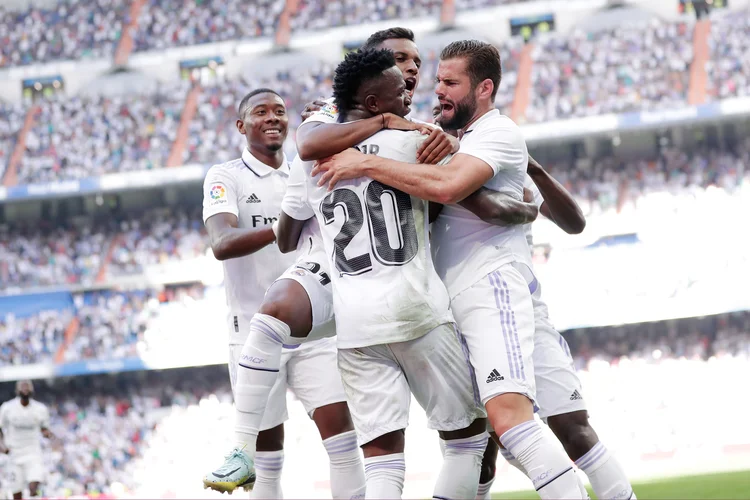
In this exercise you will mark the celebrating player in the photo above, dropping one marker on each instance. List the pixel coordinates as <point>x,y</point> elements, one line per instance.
<point>242,199</point>
<point>395,331</point>
<point>485,267</point>
<point>23,421</point>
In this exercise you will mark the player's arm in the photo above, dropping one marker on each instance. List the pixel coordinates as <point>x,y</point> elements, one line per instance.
<point>559,206</point>
<point>3,449</point>
<point>228,241</point>
<point>446,184</point>
<point>48,433</point>
<point>499,209</point>
<point>288,231</point>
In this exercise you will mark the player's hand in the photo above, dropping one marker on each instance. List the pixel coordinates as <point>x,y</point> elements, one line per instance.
<point>395,122</point>
<point>4,450</point>
<point>528,196</point>
<point>436,147</point>
<point>339,167</point>
<point>312,107</point>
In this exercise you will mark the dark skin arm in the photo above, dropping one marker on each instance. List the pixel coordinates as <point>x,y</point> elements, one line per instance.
<point>318,140</point>
<point>499,209</point>
<point>228,241</point>
<point>559,205</point>
<point>288,232</point>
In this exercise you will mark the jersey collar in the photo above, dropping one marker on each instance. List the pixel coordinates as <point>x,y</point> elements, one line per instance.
<point>489,114</point>
<point>261,169</point>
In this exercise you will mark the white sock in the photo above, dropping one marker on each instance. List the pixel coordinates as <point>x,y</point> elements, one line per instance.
<point>607,477</point>
<point>462,462</point>
<point>483,493</point>
<point>385,476</point>
<point>268,465</point>
<point>259,367</point>
<point>548,467</point>
<point>508,456</point>
<point>347,472</point>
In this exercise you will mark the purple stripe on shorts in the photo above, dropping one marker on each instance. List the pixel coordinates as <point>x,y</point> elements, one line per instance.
<point>499,305</point>
<point>515,327</point>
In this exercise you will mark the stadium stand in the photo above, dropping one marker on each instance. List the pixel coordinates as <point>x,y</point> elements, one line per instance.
<point>11,121</point>
<point>729,66</point>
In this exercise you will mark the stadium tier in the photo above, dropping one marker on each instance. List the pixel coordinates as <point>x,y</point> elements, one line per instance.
<point>112,301</point>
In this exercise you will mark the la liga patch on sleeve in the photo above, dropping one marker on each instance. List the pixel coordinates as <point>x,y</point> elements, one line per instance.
<point>217,194</point>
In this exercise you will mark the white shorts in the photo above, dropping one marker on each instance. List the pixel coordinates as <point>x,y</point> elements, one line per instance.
<point>496,317</point>
<point>311,271</point>
<point>309,371</point>
<point>24,470</point>
<point>558,388</point>
<point>379,381</point>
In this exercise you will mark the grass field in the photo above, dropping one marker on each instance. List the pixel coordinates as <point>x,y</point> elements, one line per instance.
<point>731,485</point>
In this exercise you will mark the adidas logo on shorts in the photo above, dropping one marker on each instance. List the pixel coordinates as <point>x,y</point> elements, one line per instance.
<point>495,376</point>
<point>576,395</point>
<point>253,199</point>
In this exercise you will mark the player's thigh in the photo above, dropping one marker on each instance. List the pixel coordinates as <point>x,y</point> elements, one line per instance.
<point>34,470</point>
<point>496,317</point>
<point>313,375</point>
<point>441,378</point>
<point>558,388</point>
<point>376,389</point>
<point>16,477</point>
<point>302,296</point>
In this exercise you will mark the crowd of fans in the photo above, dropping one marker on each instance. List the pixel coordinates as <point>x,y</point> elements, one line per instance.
<point>729,65</point>
<point>76,137</point>
<point>11,121</point>
<point>320,14</point>
<point>32,339</point>
<point>631,67</point>
<point>64,29</point>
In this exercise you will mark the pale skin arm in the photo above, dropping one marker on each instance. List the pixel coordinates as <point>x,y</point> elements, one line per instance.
<point>228,241</point>
<point>446,184</point>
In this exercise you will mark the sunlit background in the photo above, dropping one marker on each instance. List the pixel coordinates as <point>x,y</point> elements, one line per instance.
<point>111,112</point>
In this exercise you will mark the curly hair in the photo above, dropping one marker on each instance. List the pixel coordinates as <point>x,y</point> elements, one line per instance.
<point>357,68</point>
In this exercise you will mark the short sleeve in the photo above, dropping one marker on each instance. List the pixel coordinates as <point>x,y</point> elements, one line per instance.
<point>501,146</point>
<point>327,114</point>
<point>43,417</point>
<point>295,203</point>
<point>219,194</point>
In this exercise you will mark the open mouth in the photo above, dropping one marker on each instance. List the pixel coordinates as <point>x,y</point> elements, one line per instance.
<point>411,82</point>
<point>446,106</point>
<point>272,132</point>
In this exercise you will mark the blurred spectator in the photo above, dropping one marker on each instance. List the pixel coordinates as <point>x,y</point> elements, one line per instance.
<point>32,339</point>
<point>320,14</point>
<point>729,66</point>
<point>11,120</point>
<point>65,29</point>
<point>169,23</point>
<point>631,67</point>
<point>77,137</point>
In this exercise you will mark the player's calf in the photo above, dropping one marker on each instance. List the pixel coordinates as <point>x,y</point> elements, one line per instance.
<point>385,468</point>
<point>580,441</point>
<point>487,470</point>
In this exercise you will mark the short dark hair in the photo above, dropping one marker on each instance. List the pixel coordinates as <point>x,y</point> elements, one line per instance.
<point>390,34</point>
<point>357,68</point>
<point>243,103</point>
<point>482,61</point>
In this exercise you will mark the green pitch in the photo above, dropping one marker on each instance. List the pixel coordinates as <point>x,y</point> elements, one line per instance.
<point>731,485</point>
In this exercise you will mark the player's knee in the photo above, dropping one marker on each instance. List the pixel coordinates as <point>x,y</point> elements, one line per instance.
<point>287,301</point>
<point>387,444</point>
<point>333,419</point>
<point>508,410</point>
<point>271,439</point>
<point>574,432</point>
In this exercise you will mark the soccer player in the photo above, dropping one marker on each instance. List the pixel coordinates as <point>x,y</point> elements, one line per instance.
<point>396,335</point>
<point>23,421</point>
<point>486,268</point>
<point>559,398</point>
<point>242,199</point>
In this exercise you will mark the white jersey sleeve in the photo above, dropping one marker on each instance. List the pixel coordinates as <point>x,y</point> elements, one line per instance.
<point>327,114</point>
<point>43,416</point>
<point>295,203</point>
<point>219,193</point>
<point>385,288</point>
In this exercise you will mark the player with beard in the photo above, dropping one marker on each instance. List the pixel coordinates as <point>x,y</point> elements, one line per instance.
<point>486,268</point>
<point>561,404</point>
<point>23,421</point>
<point>242,199</point>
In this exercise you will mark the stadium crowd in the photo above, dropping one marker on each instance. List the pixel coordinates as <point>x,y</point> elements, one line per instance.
<point>321,14</point>
<point>32,339</point>
<point>631,67</point>
<point>11,121</point>
<point>78,137</point>
<point>729,66</point>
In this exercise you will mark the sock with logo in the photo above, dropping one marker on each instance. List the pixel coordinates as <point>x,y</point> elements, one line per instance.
<point>259,367</point>
<point>547,465</point>
<point>347,472</point>
<point>385,477</point>
<point>508,456</point>
<point>483,493</point>
<point>268,465</point>
<point>608,480</point>
<point>462,462</point>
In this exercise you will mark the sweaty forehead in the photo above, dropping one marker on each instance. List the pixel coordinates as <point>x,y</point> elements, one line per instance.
<point>401,45</point>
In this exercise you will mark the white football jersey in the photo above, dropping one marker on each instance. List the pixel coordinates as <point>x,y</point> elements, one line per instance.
<point>252,191</point>
<point>385,288</point>
<point>464,247</point>
<point>22,426</point>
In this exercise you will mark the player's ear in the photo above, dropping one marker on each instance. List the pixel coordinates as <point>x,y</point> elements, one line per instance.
<point>485,88</point>
<point>241,126</point>
<point>371,104</point>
